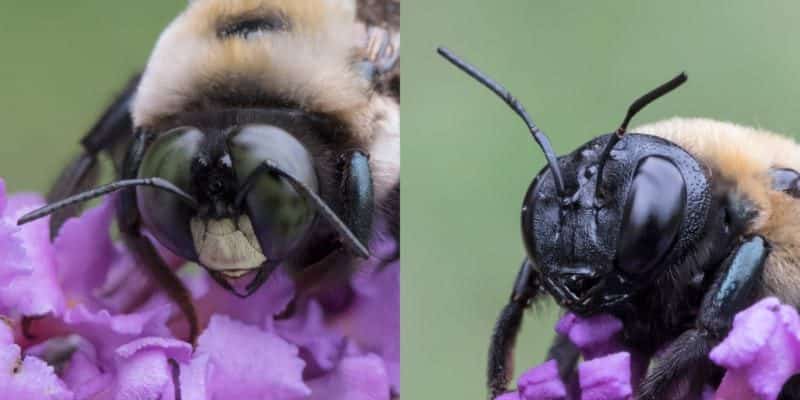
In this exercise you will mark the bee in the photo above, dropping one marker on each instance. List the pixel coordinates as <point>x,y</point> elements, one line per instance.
<point>260,134</point>
<point>672,230</point>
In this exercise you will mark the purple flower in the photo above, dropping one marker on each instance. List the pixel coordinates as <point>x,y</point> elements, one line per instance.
<point>103,330</point>
<point>542,382</point>
<point>760,354</point>
<point>27,378</point>
<point>606,375</point>
<point>594,336</point>
<point>606,378</point>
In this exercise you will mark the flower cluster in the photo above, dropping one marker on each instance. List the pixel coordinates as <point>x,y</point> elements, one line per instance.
<point>103,330</point>
<point>759,355</point>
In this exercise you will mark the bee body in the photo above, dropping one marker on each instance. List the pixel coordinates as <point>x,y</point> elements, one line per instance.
<point>761,167</point>
<point>259,136</point>
<point>673,229</point>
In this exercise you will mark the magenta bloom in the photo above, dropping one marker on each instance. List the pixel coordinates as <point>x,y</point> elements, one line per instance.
<point>104,331</point>
<point>760,354</point>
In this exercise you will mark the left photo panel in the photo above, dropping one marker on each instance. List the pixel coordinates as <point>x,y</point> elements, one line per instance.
<point>200,200</point>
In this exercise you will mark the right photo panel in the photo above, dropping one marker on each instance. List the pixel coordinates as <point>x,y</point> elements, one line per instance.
<point>601,200</point>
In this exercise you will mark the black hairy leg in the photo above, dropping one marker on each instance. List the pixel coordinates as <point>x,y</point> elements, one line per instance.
<point>140,246</point>
<point>504,336</point>
<point>685,365</point>
<point>791,389</point>
<point>113,128</point>
<point>566,355</point>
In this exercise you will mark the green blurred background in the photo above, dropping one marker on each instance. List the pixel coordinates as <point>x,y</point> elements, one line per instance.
<point>467,160</point>
<point>62,62</point>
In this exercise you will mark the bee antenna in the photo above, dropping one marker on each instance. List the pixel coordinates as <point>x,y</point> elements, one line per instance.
<point>503,93</point>
<point>346,234</point>
<point>634,109</point>
<point>157,183</point>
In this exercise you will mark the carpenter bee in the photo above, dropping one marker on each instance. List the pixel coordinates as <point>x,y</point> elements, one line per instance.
<point>259,135</point>
<point>672,230</point>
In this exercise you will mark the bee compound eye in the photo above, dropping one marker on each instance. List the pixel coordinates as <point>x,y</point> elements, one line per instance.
<point>652,217</point>
<point>280,216</point>
<point>165,215</point>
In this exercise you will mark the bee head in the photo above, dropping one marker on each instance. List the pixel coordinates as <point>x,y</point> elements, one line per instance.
<point>605,239</point>
<point>249,211</point>
<point>601,223</point>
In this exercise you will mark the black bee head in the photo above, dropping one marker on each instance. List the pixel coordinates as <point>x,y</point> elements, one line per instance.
<point>599,224</point>
<point>249,211</point>
<point>596,246</point>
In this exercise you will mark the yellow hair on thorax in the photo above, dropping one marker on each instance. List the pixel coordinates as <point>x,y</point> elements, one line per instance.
<point>311,64</point>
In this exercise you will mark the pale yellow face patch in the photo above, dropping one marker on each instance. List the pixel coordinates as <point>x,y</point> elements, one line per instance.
<point>227,246</point>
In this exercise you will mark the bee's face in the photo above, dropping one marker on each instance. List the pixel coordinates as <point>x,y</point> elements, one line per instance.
<point>244,218</point>
<point>596,248</point>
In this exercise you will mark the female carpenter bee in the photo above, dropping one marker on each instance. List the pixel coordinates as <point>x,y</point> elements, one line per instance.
<point>261,134</point>
<point>672,230</point>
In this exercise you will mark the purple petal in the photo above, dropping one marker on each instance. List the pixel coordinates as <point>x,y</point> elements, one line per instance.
<point>194,378</point>
<point>144,375</point>
<point>250,363</point>
<point>85,252</point>
<point>373,320</point>
<point>127,285</point>
<point>108,332</point>
<point>542,382</point>
<point>30,379</point>
<point>761,352</point>
<point>84,374</point>
<point>6,332</point>
<point>13,260</point>
<point>606,378</point>
<point>174,349</point>
<point>257,309</point>
<point>734,386</point>
<point>355,378</point>
<point>509,396</point>
<point>38,292</point>
<point>595,336</point>
<point>319,345</point>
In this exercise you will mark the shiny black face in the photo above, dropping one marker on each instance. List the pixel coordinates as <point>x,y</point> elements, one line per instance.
<point>241,209</point>
<point>596,247</point>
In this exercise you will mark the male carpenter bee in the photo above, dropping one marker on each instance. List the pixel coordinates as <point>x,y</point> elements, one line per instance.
<point>258,136</point>
<point>672,230</point>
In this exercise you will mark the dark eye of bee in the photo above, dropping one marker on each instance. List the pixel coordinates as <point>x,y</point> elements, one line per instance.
<point>280,217</point>
<point>653,215</point>
<point>247,28</point>
<point>170,157</point>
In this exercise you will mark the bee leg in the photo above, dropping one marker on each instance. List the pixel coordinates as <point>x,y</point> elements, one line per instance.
<point>687,357</point>
<point>791,389</point>
<point>140,246</point>
<point>382,54</point>
<point>358,195</point>
<point>113,127</point>
<point>566,355</point>
<point>500,368</point>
